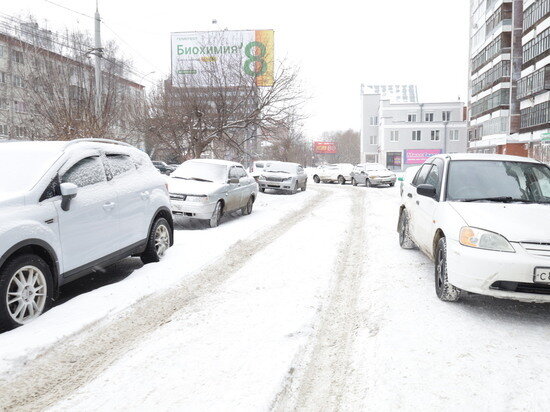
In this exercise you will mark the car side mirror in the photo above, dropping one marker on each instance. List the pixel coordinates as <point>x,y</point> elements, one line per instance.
<point>426,190</point>
<point>233,180</point>
<point>68,192</point>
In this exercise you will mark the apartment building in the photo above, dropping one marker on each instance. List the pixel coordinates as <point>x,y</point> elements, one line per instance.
<point>400,135</point>
<point>509,81</point>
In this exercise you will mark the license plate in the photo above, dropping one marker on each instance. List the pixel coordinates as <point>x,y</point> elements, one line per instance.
<point>542,275</point>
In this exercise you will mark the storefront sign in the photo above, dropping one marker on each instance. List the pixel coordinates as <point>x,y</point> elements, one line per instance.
<point>419,156</point>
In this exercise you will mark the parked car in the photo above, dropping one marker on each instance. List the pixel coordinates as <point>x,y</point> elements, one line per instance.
<point>163,167</point>
<point>209,188</point>
<point>372,174</point>
<point>407,177</point>
<point>257,167</point>
<point>337,172</point>
<point>484,220</point>
<point>283,176</point>
<point>68,208</point>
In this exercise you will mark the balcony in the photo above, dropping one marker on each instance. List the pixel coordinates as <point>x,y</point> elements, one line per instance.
<point>535,83</point>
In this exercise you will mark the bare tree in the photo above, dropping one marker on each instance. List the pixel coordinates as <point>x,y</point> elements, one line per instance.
<point>222,112</point>
<point>348,145</point>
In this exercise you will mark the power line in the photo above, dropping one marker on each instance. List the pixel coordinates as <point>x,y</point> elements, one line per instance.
<point>69,9</point>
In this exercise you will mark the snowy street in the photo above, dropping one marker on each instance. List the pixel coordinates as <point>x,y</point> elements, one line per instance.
<point>308,303</point>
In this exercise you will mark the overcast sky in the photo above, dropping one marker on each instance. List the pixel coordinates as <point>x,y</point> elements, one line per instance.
<point>337,46</point>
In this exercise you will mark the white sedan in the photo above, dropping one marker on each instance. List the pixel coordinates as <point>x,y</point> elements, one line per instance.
<point>484,220</point>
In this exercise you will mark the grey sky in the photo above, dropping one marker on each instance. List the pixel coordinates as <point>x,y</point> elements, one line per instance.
<point>337,46</point>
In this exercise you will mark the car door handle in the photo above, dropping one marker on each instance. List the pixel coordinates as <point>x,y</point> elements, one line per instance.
<point>409,195</point>
<point>145,195</point>
<point>109,206</point>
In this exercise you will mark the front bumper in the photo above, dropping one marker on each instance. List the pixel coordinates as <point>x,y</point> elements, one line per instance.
<point>193,209</point>
<point>497,274</point>
<point>383,180</point>
<point>266,184</point>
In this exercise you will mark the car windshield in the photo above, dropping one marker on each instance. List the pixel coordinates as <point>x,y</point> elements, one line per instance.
<point>498,181</point>
<point>22,166</point>
<point>201,171</point>
<point>281,168</point>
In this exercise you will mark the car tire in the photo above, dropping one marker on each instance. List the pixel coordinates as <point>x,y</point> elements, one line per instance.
<point>392,184</point>
<point>295,188</point>
<point>216,215</point>
<point>443,289</point>
<point>159,241</point>
<point>405,240</point>
<point>262,189</point>
<point>38,290</point>
<point>341,180</point>
<point>368,183</point>
<point>353,181</point>
<point>248,208</point>
<point>304,187</point>
<point>316,179</point>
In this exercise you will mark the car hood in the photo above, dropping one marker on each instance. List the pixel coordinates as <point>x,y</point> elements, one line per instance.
<point>11,199</point>
<point>380,173</point>
<point>277,174</point>
<point>193,187</point>
<point>517,222</point>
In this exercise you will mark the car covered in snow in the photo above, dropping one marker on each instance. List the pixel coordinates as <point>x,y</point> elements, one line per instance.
<point>372,174</point>
<point>484,220</point>
<point>336,172</point>
<point>285,176</point>
<point>257,167</point>
<point>206,189</point>
<point>68,208</point>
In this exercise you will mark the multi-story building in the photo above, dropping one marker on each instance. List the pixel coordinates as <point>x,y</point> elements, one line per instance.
<point>400,135</point>
<point>47,94</point>
<point>508,77</point>
<point>395,93</point>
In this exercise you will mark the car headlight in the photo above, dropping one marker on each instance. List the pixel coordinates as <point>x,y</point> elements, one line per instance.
<point>288,179</point>
<point>261,177</point>
<point>373,177</point>
<point>483,239</point>
<point>197,199</point>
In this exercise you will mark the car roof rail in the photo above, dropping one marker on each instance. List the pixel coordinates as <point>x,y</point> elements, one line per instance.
<point>98,140</point>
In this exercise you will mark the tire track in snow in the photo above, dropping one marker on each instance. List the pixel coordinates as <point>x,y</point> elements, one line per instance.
<point>318,379</point>
<point>59,372</point>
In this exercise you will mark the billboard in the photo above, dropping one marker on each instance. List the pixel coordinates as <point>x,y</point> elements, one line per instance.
<point>324,148</point>
<point>196,55</point>
<point>419,156</point>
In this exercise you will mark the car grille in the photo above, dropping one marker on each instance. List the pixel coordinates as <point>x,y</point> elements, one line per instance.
<point>274,179</point>
<point>538,249</point>
<point>176,196</point>
<point>520,287</point>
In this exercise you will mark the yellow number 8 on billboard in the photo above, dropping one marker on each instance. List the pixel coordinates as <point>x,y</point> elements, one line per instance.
<point>259,58</point>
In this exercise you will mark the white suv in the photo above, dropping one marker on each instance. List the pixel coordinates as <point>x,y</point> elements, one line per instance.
<point>68,207</point>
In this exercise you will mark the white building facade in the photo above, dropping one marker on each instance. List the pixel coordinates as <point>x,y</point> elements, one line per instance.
<point>400,135</point>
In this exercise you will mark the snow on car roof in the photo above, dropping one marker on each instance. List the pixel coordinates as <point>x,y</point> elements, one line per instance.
<point>50,147</point>
<point>484,156</point>
<point>216,162</point>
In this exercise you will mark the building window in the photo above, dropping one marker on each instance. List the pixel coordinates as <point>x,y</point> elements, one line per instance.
<point>17,56</point>
<point>373,140</point>
<point>416,135</point>
<point>453,135</point>
<point>446,116</point>
<point>411,118</point>
<point>3,77</point>
<point>434,135</point>
<point>3,129</point>
<point>20,132</point>
<point>2,51</point>
<point>394,136</point>
<point>429,117</point>
<point>4,104</point>
<point>17,81</point>
<point>20,107</point>
<point>374,120</point>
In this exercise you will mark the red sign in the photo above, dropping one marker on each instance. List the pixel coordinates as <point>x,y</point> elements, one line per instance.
<point>324,147</point>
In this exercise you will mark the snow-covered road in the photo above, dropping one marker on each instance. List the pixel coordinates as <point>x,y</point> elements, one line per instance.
<point>309,304</point>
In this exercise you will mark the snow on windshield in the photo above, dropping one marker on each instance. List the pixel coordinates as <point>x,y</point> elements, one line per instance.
<point>22,166</point>
<point>193,170</point>
<point>281,167</point>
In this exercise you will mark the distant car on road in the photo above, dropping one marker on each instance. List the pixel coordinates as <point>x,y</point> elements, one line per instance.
<point>336,172</point>
<point>372,174</point>
<point>283,176</point>
<point>484,220</point>
<point>209,188</point>
<point>163,167</point>
<point>68,208</point>
<point>257,167</point>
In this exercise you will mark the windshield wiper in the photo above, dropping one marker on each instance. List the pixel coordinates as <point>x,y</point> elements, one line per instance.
<point>193,178</point>
<point>502,199</point>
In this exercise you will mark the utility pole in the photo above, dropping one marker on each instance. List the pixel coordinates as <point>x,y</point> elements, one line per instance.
<point>98,56</point>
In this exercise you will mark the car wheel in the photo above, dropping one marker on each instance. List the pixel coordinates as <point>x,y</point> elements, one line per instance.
<point>444,290</point>
<point>217,215</point>
<point>262,189</point>
<point>248,208</point>
<point>316,179</point>
<point>353,181</point>
<point>295,188</point>
<point>392,184</point>
<point>26,290</point>
<point>368,183</point>
<point>159,241</point>
<point>305,186</point>
<point>405,240</point>
<point>341,180</point>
